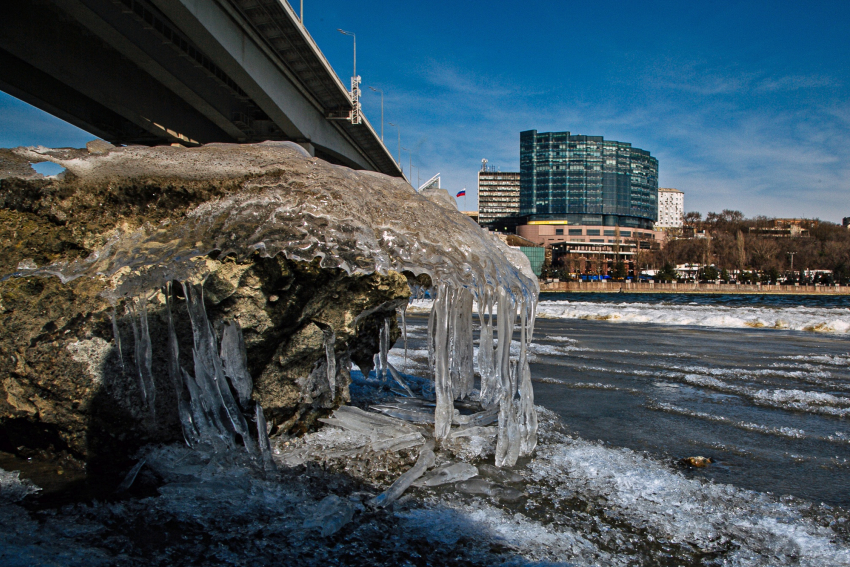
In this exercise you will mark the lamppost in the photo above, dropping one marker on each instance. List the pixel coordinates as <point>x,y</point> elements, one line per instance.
<point>382,110</point>
<point>354,37</point>
<point>399,141</point>
<point>409,162</point>
<point>302,13</point>
<point>355,82</point>
<point>418,169</point>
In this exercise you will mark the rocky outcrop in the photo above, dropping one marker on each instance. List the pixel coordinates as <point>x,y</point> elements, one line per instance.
<point>68,355</point>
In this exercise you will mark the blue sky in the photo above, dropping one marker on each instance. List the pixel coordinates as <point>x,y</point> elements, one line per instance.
<point>746,105</point>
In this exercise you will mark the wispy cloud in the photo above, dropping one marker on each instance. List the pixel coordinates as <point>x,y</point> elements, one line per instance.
<point>769,160</point>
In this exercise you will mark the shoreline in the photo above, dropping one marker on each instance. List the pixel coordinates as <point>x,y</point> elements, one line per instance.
<point>690,288</point>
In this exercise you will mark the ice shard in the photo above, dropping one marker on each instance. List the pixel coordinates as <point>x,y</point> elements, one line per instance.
<point>424,462</point>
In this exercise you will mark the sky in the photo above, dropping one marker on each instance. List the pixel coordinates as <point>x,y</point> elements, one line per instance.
<point>746,105</point>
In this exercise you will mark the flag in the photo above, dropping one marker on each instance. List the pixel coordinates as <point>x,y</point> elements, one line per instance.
<point>462,193</point>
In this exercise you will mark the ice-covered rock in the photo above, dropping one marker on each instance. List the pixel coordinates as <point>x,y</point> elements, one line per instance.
<point>194,210</point>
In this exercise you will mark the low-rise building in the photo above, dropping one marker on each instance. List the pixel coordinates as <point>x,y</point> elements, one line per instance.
<point>583,259</point>
<point>547,233</point>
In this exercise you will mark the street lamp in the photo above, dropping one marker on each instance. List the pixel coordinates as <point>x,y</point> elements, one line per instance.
<point>382,110</point>
<point>418,170</point>
<point>355,83</point>
<point>343,32</point>
<point>399,141</point>
<point>409,162</point>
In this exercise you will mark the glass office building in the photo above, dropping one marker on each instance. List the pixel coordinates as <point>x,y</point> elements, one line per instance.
<point>586,180</point>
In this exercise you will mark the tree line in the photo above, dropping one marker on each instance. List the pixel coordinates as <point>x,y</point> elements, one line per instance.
<point>729,246</point>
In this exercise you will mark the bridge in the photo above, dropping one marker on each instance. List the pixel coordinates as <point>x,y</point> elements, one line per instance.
<point>192,72</point>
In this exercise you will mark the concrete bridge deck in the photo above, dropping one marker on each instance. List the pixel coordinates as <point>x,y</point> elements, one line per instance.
<point>185,71</point>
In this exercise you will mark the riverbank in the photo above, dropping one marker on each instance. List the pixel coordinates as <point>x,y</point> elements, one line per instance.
<point>655,287</point>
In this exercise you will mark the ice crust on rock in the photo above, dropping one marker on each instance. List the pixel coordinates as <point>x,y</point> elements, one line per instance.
<point>13,489</point>
<point>360,222</point>
<point>331,514</point>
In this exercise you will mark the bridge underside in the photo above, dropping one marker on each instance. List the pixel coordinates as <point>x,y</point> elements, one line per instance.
<point>183,71</point>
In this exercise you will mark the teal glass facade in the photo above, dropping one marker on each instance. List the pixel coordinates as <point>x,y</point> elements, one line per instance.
<point>536,256</point>
<point>586,180</point>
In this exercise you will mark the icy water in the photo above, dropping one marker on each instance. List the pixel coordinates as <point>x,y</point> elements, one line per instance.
<point>769,405</point>
<point>723,377</point>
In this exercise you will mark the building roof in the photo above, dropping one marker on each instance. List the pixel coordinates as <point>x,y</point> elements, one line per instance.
<point>669,190</point>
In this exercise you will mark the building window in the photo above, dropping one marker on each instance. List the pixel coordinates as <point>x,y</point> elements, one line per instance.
<point>610,233</point>
<point>559,231</point>
<point>575,232</point>
<point>593,232</point>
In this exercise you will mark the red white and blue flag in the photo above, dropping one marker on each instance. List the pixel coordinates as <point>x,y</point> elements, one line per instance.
<point>462,193</point>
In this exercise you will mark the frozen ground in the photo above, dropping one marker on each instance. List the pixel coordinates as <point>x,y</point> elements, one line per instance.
<point>574,502</point>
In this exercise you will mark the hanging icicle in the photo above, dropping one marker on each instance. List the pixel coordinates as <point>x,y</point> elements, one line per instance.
<point>117,334</point>
<point>402,311</point>
<point>330,359</point>
<point>444,410</point>
<point>143,355</point>
<point>486,357</point>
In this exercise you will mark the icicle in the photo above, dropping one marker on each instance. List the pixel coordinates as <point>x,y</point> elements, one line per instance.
<point>263,439</point>
<point>330,359</point>
<point>463,372</point>
<point>444,412</point>
<point>209,373</point>
<point>486,366</point>
<point>397,377</point>
<point>431,329</point>
<point>117,334</point>
<point>454,368</point>
<point>384,345</point>
<point>235,362</point>
<point>144,356</point>
<point>508,442</point>
<point>184,410</point>
<point>402,312</point>
<point>527,413</point>
<point>205,416</point>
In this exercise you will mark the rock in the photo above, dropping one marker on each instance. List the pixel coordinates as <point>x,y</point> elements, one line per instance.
<point>696,462</point>
<point>64,383</point>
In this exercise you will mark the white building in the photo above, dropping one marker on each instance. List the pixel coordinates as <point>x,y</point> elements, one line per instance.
<point>671,208</point>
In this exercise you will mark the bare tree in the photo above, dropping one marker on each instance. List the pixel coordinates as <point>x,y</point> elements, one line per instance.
<point>741,251</point>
